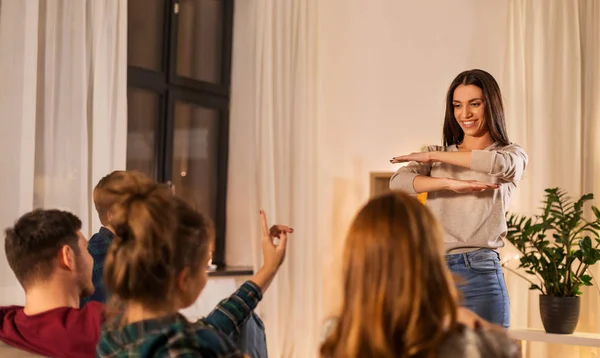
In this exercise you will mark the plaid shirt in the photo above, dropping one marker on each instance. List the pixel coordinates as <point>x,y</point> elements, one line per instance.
<point>175,336</point>
<point>98,247</point>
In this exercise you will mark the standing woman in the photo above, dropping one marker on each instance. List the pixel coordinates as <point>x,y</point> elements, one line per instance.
<point>469,181</point>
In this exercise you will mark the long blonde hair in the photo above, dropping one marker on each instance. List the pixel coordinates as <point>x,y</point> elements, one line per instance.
<point>399,297</point>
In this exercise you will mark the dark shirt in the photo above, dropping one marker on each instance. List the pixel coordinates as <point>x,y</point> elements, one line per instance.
<point>98,247</point>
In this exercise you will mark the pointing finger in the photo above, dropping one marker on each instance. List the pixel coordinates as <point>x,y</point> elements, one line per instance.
<point>263,223</point>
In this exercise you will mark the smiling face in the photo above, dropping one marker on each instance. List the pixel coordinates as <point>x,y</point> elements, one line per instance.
<point>469,110</point>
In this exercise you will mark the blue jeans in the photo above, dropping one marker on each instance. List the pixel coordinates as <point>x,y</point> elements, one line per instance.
<point>482,284</point>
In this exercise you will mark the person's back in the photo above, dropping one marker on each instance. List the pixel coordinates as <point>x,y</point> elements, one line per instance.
<point>400,300</point>
<point>59,332</point>
<point>48,254</point>
<point>174,334</point>
<point>478,342</point>
<point>156,266</point>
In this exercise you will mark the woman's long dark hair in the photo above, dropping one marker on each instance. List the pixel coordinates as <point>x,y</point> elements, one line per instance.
<point>494,110</point>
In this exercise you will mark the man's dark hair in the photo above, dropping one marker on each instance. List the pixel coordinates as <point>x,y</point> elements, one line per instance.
<point>32,245</point>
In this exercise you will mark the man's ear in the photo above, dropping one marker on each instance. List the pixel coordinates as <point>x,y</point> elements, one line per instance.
<point>66,258</point>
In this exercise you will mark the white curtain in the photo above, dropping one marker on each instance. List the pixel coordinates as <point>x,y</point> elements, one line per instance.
<point>273,164</point>
<point>552,87</point>
<point>63,107</point>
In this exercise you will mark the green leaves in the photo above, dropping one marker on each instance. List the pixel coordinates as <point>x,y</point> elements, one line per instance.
<point>558,245</point>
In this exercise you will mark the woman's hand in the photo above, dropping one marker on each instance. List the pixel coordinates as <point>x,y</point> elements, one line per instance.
<point>273,254</point>
<point>421,157</point>
<point>469,186</point>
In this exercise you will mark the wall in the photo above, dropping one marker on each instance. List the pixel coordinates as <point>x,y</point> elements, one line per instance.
<point>384,67</point>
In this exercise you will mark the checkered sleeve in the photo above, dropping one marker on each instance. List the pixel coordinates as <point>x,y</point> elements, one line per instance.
<point>231,313</point>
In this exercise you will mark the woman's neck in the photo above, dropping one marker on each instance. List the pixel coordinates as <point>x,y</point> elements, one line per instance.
<point>476,143</point>
<point>136,312</point>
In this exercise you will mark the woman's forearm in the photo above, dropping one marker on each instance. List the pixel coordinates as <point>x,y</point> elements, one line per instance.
<point>461,159</point>
<point>423,184</point>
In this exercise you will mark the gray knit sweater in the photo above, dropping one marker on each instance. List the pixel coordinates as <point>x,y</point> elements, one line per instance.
<point>474,220</point>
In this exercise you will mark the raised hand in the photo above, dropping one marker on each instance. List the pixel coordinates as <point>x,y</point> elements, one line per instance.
<point>273,254</point>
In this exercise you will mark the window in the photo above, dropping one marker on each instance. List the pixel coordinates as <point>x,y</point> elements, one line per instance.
<point>179,69</point>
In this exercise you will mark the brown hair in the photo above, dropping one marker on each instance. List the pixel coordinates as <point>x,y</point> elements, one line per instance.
<point>37,237</point>
<point>157,235</point>
<point>104,202</point>
<point>399,297</point>
<point>494,109</point>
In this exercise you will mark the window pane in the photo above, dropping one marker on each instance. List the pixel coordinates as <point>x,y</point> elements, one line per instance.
<point>195,155</point>
<point>143,112</point>
<point>199,40</point>
<point>145,33</point>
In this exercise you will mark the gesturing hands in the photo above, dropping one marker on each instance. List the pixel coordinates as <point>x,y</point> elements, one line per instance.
<point>273,255</point>
<point>461,159</point>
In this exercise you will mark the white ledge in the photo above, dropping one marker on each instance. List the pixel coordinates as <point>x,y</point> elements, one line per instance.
<point>539,335</point>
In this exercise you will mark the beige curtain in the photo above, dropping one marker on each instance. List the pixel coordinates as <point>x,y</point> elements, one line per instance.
<point>63,101</point>
<point>273,162</point>
<point>552,87</point>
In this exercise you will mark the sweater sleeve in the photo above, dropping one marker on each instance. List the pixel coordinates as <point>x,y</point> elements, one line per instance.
<point>404,177</point>
<point>507,163</point>
<point>232,312</point>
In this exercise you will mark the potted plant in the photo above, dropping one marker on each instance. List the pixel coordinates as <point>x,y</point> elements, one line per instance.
<point>557,248</point>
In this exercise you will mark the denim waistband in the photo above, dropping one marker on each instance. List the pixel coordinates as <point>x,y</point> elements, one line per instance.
<point>480,254</point>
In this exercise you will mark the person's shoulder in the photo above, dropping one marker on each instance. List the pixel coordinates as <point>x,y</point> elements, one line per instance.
<point>90,316</point>
<point>511,147</point>
<point>489,342</point>
<point>438,148</point>
<point>200,338</point>
<point>9,310</point>
<point>8,314</point>
<point>99,243</point>
<point>103,235</point>
<point>93,307</point>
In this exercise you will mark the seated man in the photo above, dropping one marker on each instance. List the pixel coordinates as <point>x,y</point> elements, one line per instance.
<point>49,256</point>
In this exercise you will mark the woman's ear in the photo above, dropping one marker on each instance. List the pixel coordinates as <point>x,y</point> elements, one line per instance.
<point>183,279</point>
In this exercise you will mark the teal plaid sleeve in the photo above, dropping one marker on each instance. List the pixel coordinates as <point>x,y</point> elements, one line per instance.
<point>231,313</point>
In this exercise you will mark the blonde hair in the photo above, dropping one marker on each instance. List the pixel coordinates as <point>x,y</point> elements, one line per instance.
<point>103,202</point>
<point>399,297</point>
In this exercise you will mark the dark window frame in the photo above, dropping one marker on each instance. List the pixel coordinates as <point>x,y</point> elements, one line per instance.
<point>171,88</point>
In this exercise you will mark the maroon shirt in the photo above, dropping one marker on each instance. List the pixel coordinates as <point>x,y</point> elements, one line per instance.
<point>60,332</point>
